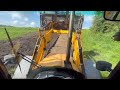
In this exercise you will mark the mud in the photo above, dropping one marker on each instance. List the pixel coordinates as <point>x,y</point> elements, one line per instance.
<point>27,43</point>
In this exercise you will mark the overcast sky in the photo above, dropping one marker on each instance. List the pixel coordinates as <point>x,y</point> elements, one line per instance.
<point>31,18</point>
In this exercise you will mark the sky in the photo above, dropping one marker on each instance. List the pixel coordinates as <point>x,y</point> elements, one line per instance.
<point>32,19</point>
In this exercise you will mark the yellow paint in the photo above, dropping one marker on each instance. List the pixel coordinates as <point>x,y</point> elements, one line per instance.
<point>39,36</point>
<point>76,51</point>
<point>35,48</point>
<point>43,43</point>
<point>60,31</point>
<point>39,32</point>
<point>74,66</point>
<point>53,60</point>
<point>57,59</point>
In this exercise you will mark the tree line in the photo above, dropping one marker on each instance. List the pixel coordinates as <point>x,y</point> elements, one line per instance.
<point>99,24</point>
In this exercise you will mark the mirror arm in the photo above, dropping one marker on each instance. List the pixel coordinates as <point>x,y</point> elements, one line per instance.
<point>109,70</point>
<point>114,18</point>
<point>115,74</point>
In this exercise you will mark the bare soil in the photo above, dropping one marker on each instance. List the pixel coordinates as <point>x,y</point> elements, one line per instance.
<point>27,43</point>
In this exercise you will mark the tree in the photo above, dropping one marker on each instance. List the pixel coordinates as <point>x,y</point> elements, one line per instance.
<point>102,25</point>
<point>98,22</point>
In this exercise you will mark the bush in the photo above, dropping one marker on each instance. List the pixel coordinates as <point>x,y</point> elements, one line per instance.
<point>102,25</point>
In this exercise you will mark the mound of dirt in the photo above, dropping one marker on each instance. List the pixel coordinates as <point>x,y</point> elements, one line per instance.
<point>27,43</point>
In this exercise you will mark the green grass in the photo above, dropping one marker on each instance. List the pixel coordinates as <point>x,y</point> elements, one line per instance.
<point>15,32</point>
<point>101,47</point>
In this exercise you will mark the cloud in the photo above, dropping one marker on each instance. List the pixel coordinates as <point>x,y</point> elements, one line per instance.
<point>15,15</point>
<point>86,25</point>
<point>15,21</point>
<point>88,19</point>
<point>38,14</point>
<point>32,23</point>
<point>26,19</point>
<point>19,18</point>
<point>19,23</point>
<point>22,23</point>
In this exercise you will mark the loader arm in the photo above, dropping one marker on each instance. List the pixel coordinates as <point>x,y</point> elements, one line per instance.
<point>56,53</point>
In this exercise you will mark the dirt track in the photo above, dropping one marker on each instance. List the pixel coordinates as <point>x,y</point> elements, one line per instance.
<point>27,43</point>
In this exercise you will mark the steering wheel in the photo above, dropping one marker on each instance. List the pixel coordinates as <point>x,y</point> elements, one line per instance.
<point>54,73</point>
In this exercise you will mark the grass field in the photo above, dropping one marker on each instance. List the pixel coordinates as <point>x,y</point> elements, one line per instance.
<point>100,46</point>
<point>15,32</point>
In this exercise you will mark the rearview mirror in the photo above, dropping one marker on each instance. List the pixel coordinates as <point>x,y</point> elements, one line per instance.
<point>112,15</point>
<point>103,66</point>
